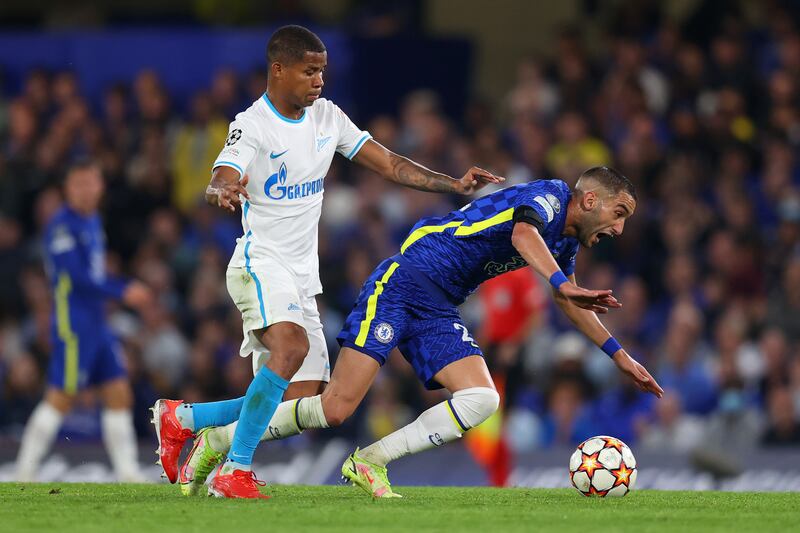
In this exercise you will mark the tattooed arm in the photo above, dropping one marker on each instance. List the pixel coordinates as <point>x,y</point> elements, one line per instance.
<point>406,172</point>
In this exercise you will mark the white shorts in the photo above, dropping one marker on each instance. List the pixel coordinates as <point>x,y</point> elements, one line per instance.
<point>265,298</point>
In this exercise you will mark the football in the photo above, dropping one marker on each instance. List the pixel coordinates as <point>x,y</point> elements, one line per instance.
<point>603,466</point>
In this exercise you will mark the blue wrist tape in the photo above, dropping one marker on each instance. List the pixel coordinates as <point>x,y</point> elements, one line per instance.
<point>557,279</point>
<point>611,346</point>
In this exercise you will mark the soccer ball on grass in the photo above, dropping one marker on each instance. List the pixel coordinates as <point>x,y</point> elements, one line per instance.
<point>603,466</point>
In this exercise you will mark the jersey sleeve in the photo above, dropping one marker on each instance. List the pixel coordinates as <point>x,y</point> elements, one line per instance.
<point>540,204</point>
<point>67,256</point>
<point>351,138</point>
<point>241,146</point>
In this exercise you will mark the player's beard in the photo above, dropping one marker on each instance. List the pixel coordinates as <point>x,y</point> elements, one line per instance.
<point>591,224</point>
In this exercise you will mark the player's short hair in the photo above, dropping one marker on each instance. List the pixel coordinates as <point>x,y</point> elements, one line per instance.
<point>611,180</point>
<point>290,43</point>
<point>80,164</point>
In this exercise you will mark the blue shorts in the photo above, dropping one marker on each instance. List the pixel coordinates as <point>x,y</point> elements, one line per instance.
<point>399,307</point>
<point>84,359</point>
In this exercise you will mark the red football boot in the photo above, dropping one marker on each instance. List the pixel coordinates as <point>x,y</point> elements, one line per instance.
<point>237,484</point>
<point>171,436</point>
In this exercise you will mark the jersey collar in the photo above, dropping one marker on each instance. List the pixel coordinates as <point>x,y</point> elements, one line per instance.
<point>277,113</point>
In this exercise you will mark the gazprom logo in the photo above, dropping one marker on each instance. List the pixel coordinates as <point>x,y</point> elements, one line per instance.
<point>275,187</point>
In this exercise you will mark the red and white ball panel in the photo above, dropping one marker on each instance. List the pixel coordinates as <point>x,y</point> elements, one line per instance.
<point>603,466</point>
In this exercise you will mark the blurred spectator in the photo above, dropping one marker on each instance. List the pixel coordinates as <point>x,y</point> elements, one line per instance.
<point>513,306</point>
<point>197,145</point>
<point>682,366</point>
<point>575,150</point>
<point>783,309</point>
<point>783,429</point>
<point>672,429</point>
<point>736,425</point>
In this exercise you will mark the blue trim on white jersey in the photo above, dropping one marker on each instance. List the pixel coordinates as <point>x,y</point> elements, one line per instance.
<point>286,119</point>
<point>255,278</point>
<point>358,145</point>
<point>228,164</point>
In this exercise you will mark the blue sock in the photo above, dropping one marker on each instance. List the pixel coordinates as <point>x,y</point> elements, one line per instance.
<point>196,416</point>
<point>262,398</point>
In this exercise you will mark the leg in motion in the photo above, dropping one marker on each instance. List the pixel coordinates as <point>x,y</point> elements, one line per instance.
<point>288,346</point>
<point>212,444</point>
<point>474,400</point>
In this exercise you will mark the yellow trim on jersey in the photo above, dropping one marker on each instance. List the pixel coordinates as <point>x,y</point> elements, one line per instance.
<point>461,230</point>
<point>372,304</point>
<point>499,218</point>
<point>65,333</point>
<point>419,233</point>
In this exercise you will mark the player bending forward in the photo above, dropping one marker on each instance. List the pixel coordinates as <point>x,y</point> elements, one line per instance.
<point>410,302</point>
<point>273,164</point>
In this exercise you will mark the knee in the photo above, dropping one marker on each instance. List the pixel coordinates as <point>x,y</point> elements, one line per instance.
<point>289,344</point>
<point>60,400</point>
<point>476,404</point>
<point>117,394</point>
<point>297,351</point>
<point>336,410</point>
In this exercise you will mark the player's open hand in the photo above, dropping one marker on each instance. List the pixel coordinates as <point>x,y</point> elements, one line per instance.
<point>476,178</point>
<point>638,373</point>
<point>597,301</point>
<point>230,194</point>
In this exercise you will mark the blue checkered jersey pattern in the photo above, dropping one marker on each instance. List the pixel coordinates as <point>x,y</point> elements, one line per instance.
<point>463,249</point>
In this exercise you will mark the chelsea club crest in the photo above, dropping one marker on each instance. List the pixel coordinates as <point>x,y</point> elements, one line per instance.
<point>384,332</point>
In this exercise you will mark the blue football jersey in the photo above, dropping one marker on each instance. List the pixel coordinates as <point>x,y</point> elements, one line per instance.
<point>74,248</point>
<point>464,248</point>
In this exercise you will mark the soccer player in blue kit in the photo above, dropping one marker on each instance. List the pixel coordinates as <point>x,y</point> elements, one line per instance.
<point>410,302</point>
<point>85,352</point>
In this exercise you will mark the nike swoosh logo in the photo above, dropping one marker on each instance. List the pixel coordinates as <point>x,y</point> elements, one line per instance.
<point>273,155</point>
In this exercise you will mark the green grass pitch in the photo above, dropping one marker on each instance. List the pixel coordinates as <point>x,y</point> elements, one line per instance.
<point>66,507</point>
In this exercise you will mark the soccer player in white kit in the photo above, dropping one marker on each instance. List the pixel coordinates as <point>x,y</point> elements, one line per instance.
<point>273,166</point>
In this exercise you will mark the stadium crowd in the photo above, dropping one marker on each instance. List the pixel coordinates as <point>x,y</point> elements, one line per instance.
<point>708,269</point>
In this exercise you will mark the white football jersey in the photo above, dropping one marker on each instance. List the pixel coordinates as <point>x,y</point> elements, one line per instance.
<point>286,161</point>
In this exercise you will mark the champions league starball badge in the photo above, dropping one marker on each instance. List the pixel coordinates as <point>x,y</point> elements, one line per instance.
<point>234,136</point>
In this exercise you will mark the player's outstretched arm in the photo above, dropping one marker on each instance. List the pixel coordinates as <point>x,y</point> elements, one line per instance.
<point>580,305</point>
<point>526,239</point>
<point>588,323</point>
<point>226,187</point>
<point>404,171</point>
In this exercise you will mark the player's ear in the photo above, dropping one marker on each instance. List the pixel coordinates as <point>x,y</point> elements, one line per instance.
<point>589,200</point>
<point>276,70</point>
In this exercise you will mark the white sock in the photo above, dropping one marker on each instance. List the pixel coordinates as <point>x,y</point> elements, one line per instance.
<point>308,411</point>
<point>119,438</point>
<point>444,422</point>
<point>40,431</point>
